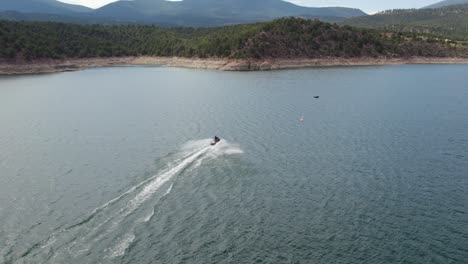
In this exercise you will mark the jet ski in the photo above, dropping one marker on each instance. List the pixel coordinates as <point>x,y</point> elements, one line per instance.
<point>316,97</point>
<point>215,141</point>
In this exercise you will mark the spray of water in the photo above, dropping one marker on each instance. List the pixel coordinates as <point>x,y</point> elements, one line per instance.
<point>133,207</point>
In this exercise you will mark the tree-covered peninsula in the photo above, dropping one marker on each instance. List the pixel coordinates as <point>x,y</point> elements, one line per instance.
<point>286,38</point>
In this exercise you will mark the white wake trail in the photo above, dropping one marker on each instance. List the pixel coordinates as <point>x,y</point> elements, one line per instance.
<point>150,215</point>
<point>145,194</point>
<point>126,211</point>
<point>151,187</point>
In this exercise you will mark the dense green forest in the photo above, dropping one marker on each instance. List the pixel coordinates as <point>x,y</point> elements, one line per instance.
<point>450,22</point>
<point>281,38</point>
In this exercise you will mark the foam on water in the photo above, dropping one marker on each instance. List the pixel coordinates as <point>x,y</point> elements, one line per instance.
<point>122,245</point>
<point>196,159</point>
<point>150,215</point>
<point>133,207</point>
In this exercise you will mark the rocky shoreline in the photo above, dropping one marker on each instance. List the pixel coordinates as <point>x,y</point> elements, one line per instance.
<point>50,66</point>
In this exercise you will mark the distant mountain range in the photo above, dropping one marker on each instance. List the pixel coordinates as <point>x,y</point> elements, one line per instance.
<point>176,13</point>
<point>41,6</point>
<point>447,3</point>
<point>450,21</point>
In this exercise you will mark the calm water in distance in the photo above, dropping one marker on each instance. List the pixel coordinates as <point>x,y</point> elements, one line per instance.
<point>113,165</point>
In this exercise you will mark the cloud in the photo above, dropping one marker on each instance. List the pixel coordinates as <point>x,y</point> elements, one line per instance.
<point>89,3</point>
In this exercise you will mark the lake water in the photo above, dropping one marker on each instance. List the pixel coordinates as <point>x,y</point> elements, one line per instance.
<point>113,165</point>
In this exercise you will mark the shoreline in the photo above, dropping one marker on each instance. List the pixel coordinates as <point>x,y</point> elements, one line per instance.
<point>51,66</point>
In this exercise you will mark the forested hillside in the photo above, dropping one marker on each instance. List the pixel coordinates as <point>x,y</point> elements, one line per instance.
<point>281,38</point>
<point>451,22</point>
<point>447,3</point>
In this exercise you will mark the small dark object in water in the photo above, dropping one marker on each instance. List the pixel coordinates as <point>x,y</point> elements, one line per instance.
<point>215,141</point>
<point>316,97</point>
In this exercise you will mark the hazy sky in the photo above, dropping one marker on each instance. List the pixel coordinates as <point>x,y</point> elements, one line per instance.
<point>370,6</point>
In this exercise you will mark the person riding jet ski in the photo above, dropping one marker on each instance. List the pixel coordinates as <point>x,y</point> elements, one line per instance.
<point>215,141</point>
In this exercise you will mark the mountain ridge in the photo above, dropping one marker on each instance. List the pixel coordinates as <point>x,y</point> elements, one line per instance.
<point>42,6</point>
<point>447,3</point>
<point>198,13</point>
<point>449,22</point>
